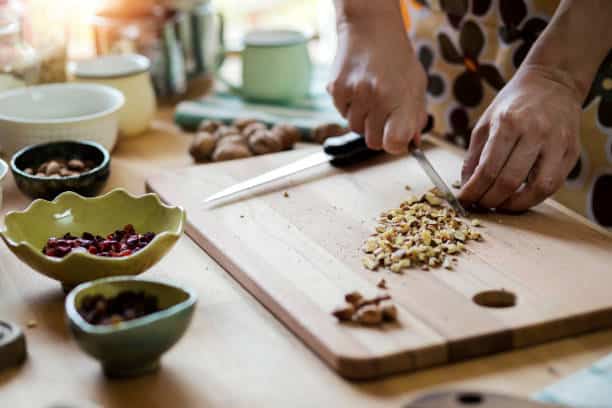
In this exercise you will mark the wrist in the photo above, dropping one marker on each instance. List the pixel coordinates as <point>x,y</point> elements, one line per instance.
<point>557,75</point>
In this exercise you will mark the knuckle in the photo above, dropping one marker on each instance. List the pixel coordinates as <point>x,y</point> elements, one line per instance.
<point>545,187</point>
<point>507,119</point>
<point>486,173</point>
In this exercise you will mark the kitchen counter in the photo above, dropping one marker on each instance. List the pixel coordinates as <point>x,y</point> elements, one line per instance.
<point>235,353</point>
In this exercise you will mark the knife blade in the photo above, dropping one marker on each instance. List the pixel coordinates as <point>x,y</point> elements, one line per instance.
<point>338,151</point>
<point>438,181</point>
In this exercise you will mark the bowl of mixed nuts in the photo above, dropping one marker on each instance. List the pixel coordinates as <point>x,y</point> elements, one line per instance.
<point>127,323</point>
<point>47,170</point>
<point>75,239</point>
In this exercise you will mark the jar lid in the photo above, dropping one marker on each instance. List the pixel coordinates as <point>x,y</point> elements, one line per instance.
<point>12,345</point>
<point>111,66</point>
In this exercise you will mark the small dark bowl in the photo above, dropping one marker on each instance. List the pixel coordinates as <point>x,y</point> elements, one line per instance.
<point>87,184</point>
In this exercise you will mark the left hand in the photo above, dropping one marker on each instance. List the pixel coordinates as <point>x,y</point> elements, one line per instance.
<point>525,144</point>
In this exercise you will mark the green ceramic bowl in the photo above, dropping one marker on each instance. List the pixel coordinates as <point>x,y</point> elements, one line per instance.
<point>88,184</point>
<point>27,233</point>
<point>134,347</point>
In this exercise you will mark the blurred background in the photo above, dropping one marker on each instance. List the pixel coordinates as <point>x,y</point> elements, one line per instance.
<point>311,16</point>
<point>183,39</point>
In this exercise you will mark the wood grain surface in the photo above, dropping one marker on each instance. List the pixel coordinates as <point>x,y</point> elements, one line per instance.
<point>236,353</point>
<point>299,253</point>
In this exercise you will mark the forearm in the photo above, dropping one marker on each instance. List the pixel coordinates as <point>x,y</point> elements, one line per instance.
<point>348,11</point>
<point>574,44</point>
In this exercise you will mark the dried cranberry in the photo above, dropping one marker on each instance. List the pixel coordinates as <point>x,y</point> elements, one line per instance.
<point>92,250</point>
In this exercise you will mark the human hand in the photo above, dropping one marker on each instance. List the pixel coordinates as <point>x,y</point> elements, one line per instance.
<point>525,144</point>
<point>379,84</point>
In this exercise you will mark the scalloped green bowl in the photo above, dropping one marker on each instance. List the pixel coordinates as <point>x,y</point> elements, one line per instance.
<point>27,233</point>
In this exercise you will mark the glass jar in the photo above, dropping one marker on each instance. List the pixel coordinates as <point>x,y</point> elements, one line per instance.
<point>48,34</point>
<point>19,62</point>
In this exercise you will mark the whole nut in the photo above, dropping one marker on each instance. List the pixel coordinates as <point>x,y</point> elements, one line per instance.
<point>325,131</point>
<point>76,164</point>
<point>287,135</point>
<point>231,151</point>
<point>53,167</point>
<point>203,146</point>
<point>241,124</point>
<point>344,313</point>
<point>225,131</point>
<point>262,142</point>
<point>389,312</point>
<point>233,139</point>
<point>353,298</point>
<point>251,128</point>
<point>369,316</point>
<point>209,126</point>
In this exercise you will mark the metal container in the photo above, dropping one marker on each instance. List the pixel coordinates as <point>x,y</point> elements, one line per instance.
<point>183,40</point>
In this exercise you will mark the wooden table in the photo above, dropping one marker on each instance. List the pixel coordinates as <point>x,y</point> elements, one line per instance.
<point>235,353</point>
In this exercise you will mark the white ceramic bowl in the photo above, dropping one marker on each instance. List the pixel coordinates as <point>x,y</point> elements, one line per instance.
<point>3,172</point>
<point>49,113</point>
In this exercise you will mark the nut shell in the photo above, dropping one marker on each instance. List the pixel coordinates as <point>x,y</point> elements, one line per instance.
<point>370,316</point>
<point>251,128</point>
<point>324,132</point>
<point>344,313</point>
<point>262,142</point>
<point>231,151</point>
<point>242,124</point>
<point>209,126</point>
<point>287,135</point>
<point>203,146</point>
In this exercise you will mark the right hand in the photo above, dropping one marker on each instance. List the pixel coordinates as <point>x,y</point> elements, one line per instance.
<point>379,84</point>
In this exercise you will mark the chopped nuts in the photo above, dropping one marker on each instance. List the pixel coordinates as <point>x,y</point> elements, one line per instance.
<point>370,312</point>
<point>345,312</point>
<point>382,284</point>
<point>422,232</point>
<point>32,324</point>
<point>286,194</point>
<point>370,316</point>
<point>353,298</point>
<point>456,184</point>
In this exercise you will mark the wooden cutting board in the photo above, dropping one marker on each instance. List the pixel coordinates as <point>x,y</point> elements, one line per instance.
<point>299,254</point>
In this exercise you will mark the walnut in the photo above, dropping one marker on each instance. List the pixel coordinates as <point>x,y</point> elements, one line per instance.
<point>231,151</point>
<point>225,131</point>
<point>203,146</point>
<point>323,132</point>
<point>252,128</point>
<point>262,142</point>
<point>344,313</point>
<point>241,124</point>
<point>369,315</point>
<point>353,298</point>
<point>287,135</point>
<point>209,126</point>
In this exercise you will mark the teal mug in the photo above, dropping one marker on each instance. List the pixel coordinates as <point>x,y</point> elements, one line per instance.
<point>276,67</point>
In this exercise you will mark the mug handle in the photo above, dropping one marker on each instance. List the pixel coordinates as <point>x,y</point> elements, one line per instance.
<point>222,57</point>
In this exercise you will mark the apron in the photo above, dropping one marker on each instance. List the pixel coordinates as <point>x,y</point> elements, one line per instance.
<point>471,48</point>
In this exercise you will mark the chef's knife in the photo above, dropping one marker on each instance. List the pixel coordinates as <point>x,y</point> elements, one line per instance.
<point>340,151</point>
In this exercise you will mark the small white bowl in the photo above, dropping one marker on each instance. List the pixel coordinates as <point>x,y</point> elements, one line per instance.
<point>3,172</point>
<point>48,113</point>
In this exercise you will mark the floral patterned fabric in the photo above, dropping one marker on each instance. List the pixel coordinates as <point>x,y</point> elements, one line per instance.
<point>471,48</point>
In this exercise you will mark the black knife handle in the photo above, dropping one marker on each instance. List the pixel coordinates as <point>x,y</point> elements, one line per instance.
<point>352,148</point>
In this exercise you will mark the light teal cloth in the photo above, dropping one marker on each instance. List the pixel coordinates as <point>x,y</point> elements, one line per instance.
<point>314,110</point>
<point>589,388</point>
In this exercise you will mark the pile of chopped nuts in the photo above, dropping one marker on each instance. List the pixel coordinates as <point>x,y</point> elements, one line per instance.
<point>423,232</point>
<point>367,312</point>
